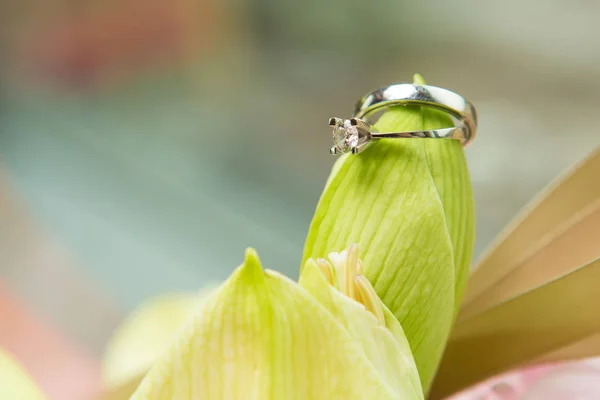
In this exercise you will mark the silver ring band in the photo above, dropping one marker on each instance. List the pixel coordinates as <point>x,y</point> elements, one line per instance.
<point>423,95</point>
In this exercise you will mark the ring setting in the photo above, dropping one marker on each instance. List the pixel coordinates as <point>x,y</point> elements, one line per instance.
<point>354,134</point>
<point>349,135</point>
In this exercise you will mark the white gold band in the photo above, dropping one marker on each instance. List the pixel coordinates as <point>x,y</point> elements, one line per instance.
<point>354,134</point>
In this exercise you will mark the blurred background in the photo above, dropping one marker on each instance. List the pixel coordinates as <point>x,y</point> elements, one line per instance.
<point>145,143</point>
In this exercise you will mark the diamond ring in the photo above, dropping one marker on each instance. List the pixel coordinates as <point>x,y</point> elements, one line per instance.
<point>353,135</point>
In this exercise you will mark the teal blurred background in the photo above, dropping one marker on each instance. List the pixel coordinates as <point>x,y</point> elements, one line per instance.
<point>145,144</point>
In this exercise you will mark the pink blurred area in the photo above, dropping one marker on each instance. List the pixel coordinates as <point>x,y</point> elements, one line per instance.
<point>41,290</point>
<point>564,381</point>
<point>63,369</point>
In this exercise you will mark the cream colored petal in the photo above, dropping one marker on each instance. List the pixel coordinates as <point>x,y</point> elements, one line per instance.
<point>550,215</point>
<point>14,381</point>
<point>262,336</point>
<point>144,336</point>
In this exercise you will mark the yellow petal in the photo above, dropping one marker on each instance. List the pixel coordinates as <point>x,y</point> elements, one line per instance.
<point>146,335</point>
<point>366,295</point>
<point>14,381</point>
<point>261,336</point>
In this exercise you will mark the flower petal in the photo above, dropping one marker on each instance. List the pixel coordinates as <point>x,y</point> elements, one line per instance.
<point>448,167</point>
<point>144,336</point>
<point>14,381</point>
<point>572,381</point>
<point>550,215</point>
<point>544,263</point>
<point>522,331</point>
<point>387,349</point>
<point>262,336</point>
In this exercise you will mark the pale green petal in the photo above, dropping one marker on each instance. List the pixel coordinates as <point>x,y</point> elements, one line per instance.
<point>145,335</point>
<point>15,382</point>
<point>387,349</point>
<point>408,204</point>
<point>262,336</point>
<point>448,167</point>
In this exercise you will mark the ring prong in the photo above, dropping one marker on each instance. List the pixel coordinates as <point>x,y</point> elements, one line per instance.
<point>333,150</point>
<point>361,124</point>
<point>360,147</point>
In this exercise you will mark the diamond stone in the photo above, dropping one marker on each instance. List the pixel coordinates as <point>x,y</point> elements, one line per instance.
<point>345,136</point>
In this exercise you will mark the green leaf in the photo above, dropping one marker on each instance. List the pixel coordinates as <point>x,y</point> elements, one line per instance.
<point>408,204</point>
<point>262,336</point>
